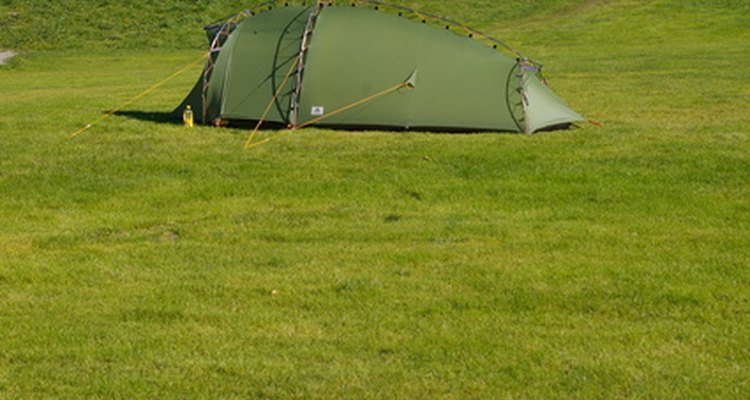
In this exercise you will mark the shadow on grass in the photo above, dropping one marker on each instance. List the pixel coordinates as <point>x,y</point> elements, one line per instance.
<point>151,116</point>
<point>171,118</point>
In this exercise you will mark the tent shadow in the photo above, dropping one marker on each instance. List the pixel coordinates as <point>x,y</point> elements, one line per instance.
<point>150,116</point>
<point>171,118</point>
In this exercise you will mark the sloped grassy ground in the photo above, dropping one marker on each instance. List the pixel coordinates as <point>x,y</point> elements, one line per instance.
<point>83,24</point>
<point>138,260</point>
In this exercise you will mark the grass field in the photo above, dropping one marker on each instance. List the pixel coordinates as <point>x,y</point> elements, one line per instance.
<point>138,260</point>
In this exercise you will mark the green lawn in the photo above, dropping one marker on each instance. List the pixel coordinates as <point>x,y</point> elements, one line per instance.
<point>138,260</point>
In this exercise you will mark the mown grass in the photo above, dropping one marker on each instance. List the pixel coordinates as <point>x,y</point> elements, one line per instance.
<point>138,259</point>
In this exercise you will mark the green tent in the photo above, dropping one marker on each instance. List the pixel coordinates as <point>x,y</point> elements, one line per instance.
<point>368,66</point>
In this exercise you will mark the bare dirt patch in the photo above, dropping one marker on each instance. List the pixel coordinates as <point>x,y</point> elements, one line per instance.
<point>6,55</point>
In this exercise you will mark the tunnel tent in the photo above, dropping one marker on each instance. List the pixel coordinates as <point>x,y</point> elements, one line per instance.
<point>345,66</point>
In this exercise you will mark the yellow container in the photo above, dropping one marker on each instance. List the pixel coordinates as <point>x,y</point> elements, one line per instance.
<point>187,117</point>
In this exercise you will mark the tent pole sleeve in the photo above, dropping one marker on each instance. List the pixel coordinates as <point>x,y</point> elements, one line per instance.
<point>226,28</point>
<point>524,98</point>
<point>512,90</point>
<point>305,43</point>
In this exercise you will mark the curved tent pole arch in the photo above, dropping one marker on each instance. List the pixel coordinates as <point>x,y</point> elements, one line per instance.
<point>223,31</point>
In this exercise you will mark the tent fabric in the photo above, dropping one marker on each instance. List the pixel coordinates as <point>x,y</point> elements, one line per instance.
<point>544,109</point>
<point>342,55</point>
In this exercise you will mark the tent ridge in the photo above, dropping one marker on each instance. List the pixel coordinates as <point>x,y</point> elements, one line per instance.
<point>470,31</point>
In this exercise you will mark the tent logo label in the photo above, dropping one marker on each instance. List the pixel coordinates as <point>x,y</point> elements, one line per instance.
<point>317,111</point>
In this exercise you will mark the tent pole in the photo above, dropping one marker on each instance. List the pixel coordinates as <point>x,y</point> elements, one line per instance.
<point>309,26</point>
<point>215,47</point>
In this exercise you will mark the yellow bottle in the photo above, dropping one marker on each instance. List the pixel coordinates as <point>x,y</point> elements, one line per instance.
<point>187,117</point>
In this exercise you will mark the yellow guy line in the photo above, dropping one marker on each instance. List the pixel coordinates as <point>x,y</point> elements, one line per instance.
<point>249,141</point>
<point>147,91</point>
<point>337,111</point>
<point>355,104</point>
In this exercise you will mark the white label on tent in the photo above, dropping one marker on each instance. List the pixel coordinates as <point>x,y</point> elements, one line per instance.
<point>317,111</point>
